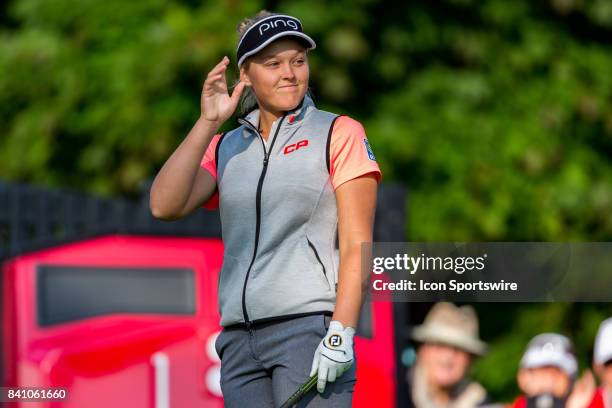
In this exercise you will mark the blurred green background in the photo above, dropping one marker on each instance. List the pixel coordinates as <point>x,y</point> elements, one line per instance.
<point>497,114</point>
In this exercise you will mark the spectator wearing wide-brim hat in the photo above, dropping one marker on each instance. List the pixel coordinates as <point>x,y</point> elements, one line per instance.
<point>448,343</point>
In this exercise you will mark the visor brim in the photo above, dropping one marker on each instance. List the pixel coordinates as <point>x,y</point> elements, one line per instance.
<point>305,39</point>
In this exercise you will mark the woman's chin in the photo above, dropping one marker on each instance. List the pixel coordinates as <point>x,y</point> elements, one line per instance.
<point>288,102</point>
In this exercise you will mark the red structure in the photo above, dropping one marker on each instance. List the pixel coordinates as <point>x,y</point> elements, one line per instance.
<point>122,310</point>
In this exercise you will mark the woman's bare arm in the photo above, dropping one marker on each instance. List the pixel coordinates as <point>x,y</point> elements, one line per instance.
<point>356,203</point>
<point>182,185</point>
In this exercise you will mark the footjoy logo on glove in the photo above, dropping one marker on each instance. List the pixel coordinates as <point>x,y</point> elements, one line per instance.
<point>335,340</point>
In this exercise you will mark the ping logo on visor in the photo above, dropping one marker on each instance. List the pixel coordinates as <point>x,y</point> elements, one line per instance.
<point>275,22</point>
<point>268,29</point>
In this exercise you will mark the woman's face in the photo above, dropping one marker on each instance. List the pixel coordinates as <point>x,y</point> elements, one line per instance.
<point>278,75</point>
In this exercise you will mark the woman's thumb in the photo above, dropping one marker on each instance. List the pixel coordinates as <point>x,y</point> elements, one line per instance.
<point>237,92</point>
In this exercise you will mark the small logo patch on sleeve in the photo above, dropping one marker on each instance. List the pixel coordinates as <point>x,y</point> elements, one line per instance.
<point>369,150</point>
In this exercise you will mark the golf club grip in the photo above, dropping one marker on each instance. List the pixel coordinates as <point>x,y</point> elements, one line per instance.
<point>304,388</point>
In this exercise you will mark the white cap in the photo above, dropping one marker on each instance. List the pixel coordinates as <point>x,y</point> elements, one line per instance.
<point>550,349</point>
<point>603,342</point>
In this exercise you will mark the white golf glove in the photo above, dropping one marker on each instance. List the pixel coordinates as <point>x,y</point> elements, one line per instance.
<point>334,355</point>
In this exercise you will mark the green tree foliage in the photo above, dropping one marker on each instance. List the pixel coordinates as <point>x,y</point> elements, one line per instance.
<point>496,113</point>
<point>97,94</point>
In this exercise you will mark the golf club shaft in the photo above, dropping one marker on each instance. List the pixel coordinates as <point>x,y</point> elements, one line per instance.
<point>304,388</point>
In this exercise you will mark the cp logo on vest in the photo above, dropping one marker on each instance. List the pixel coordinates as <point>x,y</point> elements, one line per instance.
<point>293,147</point>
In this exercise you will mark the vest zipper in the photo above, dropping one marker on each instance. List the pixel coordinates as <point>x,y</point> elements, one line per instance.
<point>257,209</point>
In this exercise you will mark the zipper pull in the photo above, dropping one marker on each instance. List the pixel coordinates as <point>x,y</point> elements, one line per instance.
<point>265,161</point>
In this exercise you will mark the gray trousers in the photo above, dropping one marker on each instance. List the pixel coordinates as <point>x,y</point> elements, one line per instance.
<point>264,367</point>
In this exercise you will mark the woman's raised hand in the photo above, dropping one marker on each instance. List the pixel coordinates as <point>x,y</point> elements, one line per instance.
<point>216,105</point>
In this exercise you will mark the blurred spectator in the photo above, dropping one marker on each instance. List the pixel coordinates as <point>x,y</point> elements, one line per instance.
<point>448,343</point>
<point>602,364</point>
<point>547,375</point>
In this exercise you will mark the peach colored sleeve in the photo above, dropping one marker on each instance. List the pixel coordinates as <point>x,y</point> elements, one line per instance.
<point>208,164</point>
<point>350,153</point>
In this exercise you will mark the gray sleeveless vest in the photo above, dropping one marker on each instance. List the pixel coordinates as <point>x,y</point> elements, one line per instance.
<point>278,218</point>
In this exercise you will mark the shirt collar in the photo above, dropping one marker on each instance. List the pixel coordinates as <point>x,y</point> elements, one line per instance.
<point>293,116</point>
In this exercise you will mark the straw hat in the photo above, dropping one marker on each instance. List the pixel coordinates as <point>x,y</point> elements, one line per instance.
<point>455,326</point>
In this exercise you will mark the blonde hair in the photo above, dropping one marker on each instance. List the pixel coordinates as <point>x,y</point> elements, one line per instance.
<point>248,101</point>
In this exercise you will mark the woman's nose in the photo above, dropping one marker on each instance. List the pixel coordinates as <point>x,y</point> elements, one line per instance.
<point>287,71</point>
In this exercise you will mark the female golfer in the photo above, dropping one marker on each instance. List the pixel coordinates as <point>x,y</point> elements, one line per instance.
<point>296,191</point>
